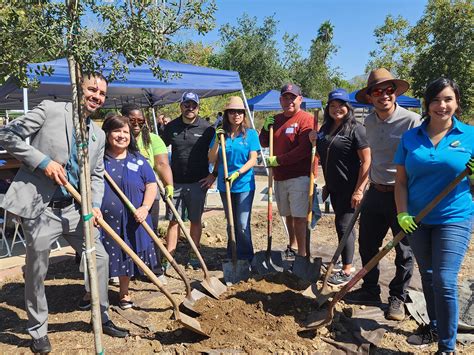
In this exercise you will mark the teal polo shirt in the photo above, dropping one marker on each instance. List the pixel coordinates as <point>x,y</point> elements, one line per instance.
<point>430,169</point>
<point>238,153</point>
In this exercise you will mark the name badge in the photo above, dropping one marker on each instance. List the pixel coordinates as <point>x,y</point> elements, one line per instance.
<point>290,130</point>
<point>132,166</point>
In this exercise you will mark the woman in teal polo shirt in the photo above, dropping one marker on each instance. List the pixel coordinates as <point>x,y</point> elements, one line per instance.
<point>428,158</point>
<point>242,147</point>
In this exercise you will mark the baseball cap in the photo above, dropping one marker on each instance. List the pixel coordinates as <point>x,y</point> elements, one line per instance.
<point>190,96</point>
<point>291,88</point>
<point>338,94</point>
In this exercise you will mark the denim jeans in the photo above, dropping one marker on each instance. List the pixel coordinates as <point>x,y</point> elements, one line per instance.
<point>241,207</point>
<point>439,251</point>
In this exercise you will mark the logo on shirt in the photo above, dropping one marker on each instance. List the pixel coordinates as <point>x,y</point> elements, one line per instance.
<point>140,162</point>
<point>455,144</point>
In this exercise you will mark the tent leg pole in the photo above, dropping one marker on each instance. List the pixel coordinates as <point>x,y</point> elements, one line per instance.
<point>25,100</point>
<point>250,113</point>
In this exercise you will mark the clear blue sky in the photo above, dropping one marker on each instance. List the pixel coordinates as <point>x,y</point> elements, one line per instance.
<point>354,22</point>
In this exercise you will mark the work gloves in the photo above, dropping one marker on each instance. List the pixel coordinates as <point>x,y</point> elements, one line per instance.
<point>407,222</point>
<point>272,162</point>
<point>268,122</point>
<point>470,165</point>
<point>219,131</point>
<point>232,177</point>
<point>169,191</point>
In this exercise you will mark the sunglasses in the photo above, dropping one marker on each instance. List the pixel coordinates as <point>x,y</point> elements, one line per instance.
<point>379,92</point>
<point>134,121</point>
<point>190,104</point>
<point>236,112</point>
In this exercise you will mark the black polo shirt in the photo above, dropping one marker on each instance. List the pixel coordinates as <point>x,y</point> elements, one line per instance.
<point>189,148</point>
<point>339,158</point>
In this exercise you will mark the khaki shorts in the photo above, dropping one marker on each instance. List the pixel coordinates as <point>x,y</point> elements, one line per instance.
<point>292,196</point>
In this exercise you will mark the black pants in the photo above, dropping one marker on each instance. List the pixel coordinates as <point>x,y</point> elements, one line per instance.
<point>377,215</point>
<point>341,203</point>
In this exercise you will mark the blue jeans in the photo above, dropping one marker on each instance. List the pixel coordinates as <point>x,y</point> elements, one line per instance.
<point>439,251</point>
<point>241,207</point>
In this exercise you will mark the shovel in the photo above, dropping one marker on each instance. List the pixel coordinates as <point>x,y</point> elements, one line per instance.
<point>323,294</point>
<point>375,260</point>
<point>236,270</point>
<point>187,321</point>
<point>210,283</point>
<point>191,295</point>
<point>269,262</point>
<point>304,267</point>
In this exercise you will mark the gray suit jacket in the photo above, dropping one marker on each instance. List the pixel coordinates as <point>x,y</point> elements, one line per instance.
<point>50,128</point>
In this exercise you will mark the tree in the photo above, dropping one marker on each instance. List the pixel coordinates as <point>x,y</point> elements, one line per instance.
<point>136,32</point>
<point>252,51</point>
<point>443,40</point>
<point>314,73</point>
<point>394,52</point>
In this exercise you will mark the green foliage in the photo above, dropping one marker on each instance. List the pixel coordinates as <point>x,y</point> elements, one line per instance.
<point>126,32</point>
<point>394,52</point>
<point>314,73</point>
<point>252,51</point>
<point>444,40</point>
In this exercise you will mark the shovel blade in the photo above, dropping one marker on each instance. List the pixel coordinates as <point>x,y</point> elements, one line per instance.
<point>236,272</point>
<point>263,265</point>
<point>190,323</point>
<point>307,269</point>
<point>214,286</point>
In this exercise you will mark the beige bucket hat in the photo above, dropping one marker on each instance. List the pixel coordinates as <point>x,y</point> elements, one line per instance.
<point>234,103</point>
<point>379,76</point>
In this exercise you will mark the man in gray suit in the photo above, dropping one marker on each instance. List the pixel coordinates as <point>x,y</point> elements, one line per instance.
<point>46,208</point>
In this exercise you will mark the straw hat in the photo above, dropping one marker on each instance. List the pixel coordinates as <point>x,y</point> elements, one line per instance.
<point>234,103</point>
<point>379,76</point>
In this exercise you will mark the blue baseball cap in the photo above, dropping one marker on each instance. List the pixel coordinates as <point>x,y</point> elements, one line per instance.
<point>190,96</point>
<point>338,94</point>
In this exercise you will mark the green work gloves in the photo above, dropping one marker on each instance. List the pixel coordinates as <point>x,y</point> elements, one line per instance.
<point>268,122</point>
<point>232,177</point>
<point>407,222</point>
<point>272,162</point>
<point>169,190</point>
<point>219,131</point>
<point>470,165</point>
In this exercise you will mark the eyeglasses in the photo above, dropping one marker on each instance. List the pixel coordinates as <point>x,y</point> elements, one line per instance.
<point>236,112</point>
<point>379,92</point>
<point>190,104</point>
<point>134,121</point>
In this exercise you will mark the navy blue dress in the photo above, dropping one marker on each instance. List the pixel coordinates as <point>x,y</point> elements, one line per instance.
<point>131,174</point>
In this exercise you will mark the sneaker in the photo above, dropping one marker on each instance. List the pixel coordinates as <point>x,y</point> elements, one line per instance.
<point>114,281</point>
<point>339,279</point>
<point>396,309</point>
<point>337,266</point>
<point>423,337</point>
<point>84,305</point>
<point>124,304</point>
<point>290,253</point>
<point>162,278</point>
<point>362,296</point>
<point>193,262</point>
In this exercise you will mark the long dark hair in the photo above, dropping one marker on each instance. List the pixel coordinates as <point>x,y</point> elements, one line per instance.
<point>126,111</point>
<point>115,122</point>
<point>348,122</point>
<point>228,127</point>
<point>435,87</point>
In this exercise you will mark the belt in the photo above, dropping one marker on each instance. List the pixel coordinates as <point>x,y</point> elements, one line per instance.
<point>61,203</point>
<point>383,188</point>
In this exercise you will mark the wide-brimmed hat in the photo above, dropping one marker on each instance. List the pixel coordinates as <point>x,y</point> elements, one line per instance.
<point>234,103</point>
<point>379,76</point>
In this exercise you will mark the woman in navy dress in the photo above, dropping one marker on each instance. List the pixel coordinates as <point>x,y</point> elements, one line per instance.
<point>135,177</point>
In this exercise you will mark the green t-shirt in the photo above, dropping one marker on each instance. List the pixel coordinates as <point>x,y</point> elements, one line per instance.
<point>156,147</point>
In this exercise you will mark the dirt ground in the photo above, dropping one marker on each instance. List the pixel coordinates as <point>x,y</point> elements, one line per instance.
<point>263,315</point>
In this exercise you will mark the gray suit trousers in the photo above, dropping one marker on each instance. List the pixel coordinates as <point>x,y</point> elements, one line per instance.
<point>41,233</point>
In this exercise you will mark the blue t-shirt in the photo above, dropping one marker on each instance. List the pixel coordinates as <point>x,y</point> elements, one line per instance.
<point>238,152</point>
<point>430,169</point>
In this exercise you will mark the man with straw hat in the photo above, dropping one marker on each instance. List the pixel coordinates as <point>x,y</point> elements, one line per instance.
<point>384,126</point>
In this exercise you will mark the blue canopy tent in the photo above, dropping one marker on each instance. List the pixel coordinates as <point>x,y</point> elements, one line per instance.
<point>140,86</point>
<point>270,101</point>
<point>402,100</point>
